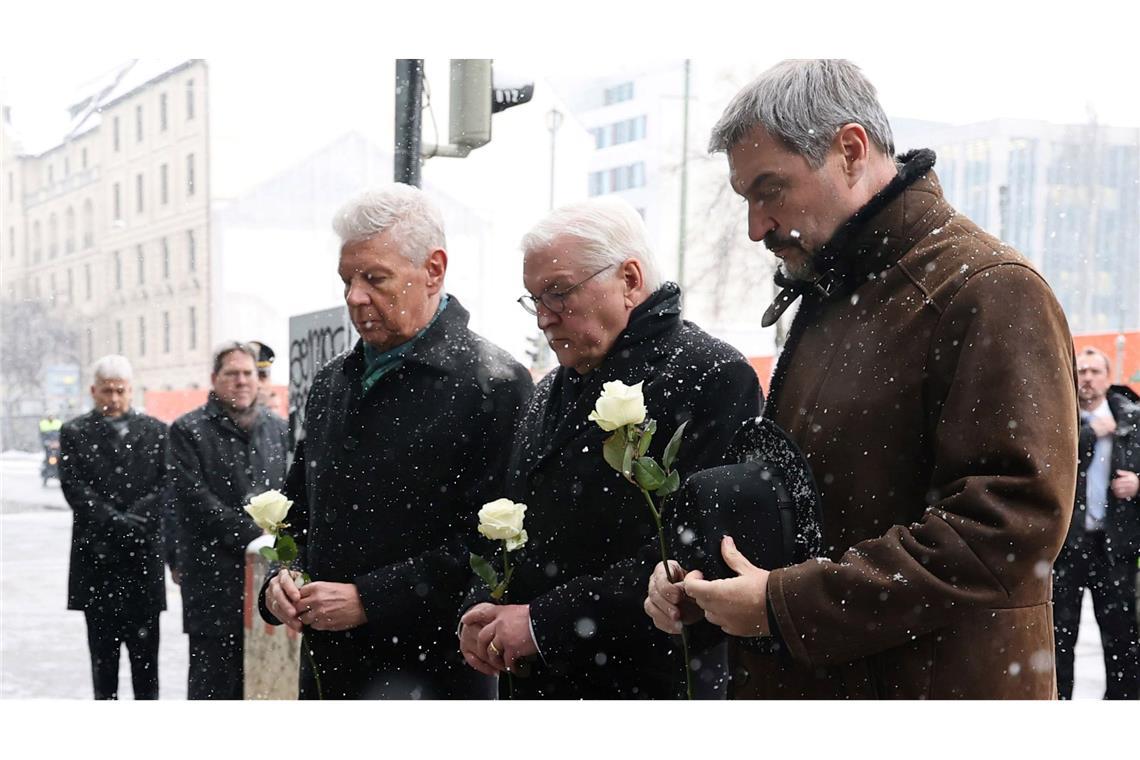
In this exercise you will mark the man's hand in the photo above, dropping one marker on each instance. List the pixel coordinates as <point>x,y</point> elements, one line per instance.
<point>1124,485</point>
<point>470,626</point>
<point>667,603</point>
<point>282,597</point>
<point>506,639</point>
<point>325,606</point>
<point>1103,426</point>
<point>737,605</point>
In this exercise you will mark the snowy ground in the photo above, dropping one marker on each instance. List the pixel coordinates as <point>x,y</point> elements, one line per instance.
<point>43,646</point>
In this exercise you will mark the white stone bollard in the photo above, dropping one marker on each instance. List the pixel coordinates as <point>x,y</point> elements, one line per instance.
<point>272,652</point>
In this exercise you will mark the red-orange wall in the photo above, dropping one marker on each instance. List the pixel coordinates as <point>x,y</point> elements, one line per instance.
<point>170,405</point>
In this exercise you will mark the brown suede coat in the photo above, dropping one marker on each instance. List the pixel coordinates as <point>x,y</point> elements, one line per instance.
<point>936,403</point>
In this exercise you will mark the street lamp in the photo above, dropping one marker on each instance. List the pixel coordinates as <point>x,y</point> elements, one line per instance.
<point>553,122</point>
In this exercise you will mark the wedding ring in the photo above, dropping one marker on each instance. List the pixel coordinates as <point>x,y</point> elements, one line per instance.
<point>494,648</point>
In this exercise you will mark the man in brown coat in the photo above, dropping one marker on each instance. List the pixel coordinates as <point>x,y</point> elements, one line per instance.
<point>928,379</point>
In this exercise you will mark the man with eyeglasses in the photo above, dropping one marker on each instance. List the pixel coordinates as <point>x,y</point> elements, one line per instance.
<point>576,592</point>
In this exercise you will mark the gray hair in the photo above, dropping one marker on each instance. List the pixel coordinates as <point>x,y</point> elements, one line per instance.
<point>225,349</point>
<point>414,219</point>
<point>804,103</point>
<point>610,230</point>
<point>113,367</point>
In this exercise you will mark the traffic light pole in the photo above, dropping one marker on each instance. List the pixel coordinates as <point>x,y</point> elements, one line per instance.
<point>409,100</point>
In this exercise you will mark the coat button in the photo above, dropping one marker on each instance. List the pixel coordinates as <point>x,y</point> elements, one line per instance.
<point>350,443</point>
<point>740,675</point>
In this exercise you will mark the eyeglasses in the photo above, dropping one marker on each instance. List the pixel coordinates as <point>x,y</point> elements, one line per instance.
<point>555,301</point>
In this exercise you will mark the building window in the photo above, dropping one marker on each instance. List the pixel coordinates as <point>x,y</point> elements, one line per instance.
<point>193,328</point>
<point>190,174</point>
<point>189,99</point>
<point>165,259</point>
<point>597,183</point>
<point>599,134</point>
<point>90,345</point>
<point>87,279</point>
<point>191,251</point>
<point>37,242</point>
<point>141,262</point>
<point>117,202</point>
<point>115,134</point>
<point>83,158</point>
<point>118,336</point>
<point>70,286</point>
<point>162,112</point>
<point>11,242</point>
<point>166,332</point>
<point>142,336</point>
<point>163,176</point>
<point>88,223</point>
<point>50,174</point>
<point>69,230</point>
<point>53,237</point>
<point>118,258</point>
<point>11,187</point>
<point>66,167</point>
<point>139,192</point>
<point>138,124</point>
<point>617,179</point>
<point>618,93</point>
<point>52,292</point>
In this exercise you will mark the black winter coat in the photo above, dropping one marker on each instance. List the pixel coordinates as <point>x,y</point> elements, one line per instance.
<point>114,486</point>
<point>1122,516</point>
<point>388,485</point>
<point>592,542</point>
<point>215,468</point>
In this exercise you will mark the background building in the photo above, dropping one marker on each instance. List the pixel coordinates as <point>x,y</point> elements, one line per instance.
<point>106,240</point>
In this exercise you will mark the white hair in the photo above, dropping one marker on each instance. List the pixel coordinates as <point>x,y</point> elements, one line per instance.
<point>113,367</point>
<point>804,103</point>
<point>611,232</point>
<point>414,219</point>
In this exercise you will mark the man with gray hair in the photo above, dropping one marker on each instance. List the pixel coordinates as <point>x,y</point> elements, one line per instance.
<point>928,379</point>
<point>222,453</point>
<point>575,613</point>
<point>406,437</point>
<point>112,471</point>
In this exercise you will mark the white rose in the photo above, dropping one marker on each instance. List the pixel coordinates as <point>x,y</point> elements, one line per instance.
<point>517,541</point>
<point>268,510</point>
<point>502,520</point>
<point>619,405</point>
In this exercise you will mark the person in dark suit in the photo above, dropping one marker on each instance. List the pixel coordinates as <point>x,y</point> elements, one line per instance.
<point>406,437</point>
<point>1103,543</point>
<point>222,453</point>
<point>575,608</point>
<point>112,471</point>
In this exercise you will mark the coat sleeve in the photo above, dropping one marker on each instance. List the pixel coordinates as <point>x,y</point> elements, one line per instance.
<point>729,394</point>
<point>295,490</point>
<point>1002,425</point>
<point>202,513</point>
<point>394,597</point>
<point>76,485</point>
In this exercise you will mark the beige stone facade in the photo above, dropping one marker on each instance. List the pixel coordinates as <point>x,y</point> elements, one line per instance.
<point>111,226</point>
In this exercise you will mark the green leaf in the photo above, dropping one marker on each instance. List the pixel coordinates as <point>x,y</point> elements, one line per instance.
<point>484,570</point>
<point>308,578</point>
<point>671,484</point>
<point>648,473</point>
<point>627,461</point>
<point>614,449</point>
<point>269,553</point>
<point>286,548</point>
<point>646,437</point>
<point>674,444</point>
